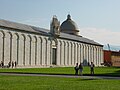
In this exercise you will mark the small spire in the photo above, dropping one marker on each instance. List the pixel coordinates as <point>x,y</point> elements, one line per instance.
<point>68,17</point>
<point>54,16</point>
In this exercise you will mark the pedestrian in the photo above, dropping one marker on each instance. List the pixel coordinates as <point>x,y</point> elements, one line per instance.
<point>88,64</point>
<point>76,69</point>
<point>92,68</point>
<point>9,64</point>
<point>12,64</point>
<point>81,69</point>
<point>15,64</point>
<point>2,64</point>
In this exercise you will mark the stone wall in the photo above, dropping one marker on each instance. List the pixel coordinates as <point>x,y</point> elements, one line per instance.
<point>75,52</point>
<point>34,50</point>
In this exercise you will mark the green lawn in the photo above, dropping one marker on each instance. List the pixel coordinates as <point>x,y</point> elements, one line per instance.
<point>112,71</point>
<point>59,83</point>
<point>55,83</point>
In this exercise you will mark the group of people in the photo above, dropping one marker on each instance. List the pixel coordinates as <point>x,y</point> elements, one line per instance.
<point>10,64</point>
<point>79,68</point>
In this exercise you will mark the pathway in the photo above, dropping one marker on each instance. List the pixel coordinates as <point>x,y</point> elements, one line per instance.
<point>66,76</point>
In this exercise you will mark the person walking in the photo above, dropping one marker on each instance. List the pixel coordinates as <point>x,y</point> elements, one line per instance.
<point>12,64</point>
<point>92,68</point>
<point>9,64</point>
<point>76,69</point>
<point>2,64</point>
<point>15,64</point>
<point>81,69</point>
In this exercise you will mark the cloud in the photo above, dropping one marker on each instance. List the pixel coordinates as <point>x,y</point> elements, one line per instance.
<point>102,36</point>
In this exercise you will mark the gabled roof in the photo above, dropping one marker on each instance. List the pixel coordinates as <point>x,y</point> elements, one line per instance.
<point>33,29</point>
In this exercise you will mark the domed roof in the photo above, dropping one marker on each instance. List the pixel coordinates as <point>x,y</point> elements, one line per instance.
<point>69,26</point>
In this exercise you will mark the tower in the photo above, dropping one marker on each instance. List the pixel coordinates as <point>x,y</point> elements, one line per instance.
<point>54,26</point>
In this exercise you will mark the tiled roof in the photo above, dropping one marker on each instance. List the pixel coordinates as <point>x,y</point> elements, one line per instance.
<point>28,28</point>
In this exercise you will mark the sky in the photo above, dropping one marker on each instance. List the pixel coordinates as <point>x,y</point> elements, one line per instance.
<point>98,20</point>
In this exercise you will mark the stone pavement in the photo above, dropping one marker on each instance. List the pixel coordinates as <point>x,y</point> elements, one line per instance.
<point>65,76</point>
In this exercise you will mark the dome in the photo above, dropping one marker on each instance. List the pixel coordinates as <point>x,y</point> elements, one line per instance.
<point>69,26</point>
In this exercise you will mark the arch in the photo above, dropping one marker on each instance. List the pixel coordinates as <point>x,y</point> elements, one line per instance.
<point>3,33</point>
<point>21,52</point>
<point>48,51</point>
<point>60,51</point>
<point>29,48</point>
<point>96,56</point>
<point>7,48</point>
<point>45,52</point>
<point>24,37</point>
<point>30,37</point>
<point>68,54</point>
<point>35,49</point>
<point>15,51</point>
<point>16,35</point>
<point>72,53</point>
<point>11,35</point>
<point>79,50</point>
<point>92,53</point>
<point>82,52</point>
<point>41,39</point>
<point>89,56</point>
<point>101,55</point>
<point>38,49</point>
<point>76,53</point>
<point>41,54</point>
<point>24,48</point>
<point>35,38</point>
<point>2,36</point>
<point>33,43</point>
<point>11,44</point>
<point>64,51</point>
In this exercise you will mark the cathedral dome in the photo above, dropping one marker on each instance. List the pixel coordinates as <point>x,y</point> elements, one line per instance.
<point>69,26</point>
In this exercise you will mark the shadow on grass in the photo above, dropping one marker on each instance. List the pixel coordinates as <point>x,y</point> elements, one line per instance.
<point>114,74</point>
<point>87,79</point>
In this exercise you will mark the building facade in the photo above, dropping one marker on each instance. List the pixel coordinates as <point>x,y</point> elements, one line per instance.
<point>31,46</point>
<point>112,58</point>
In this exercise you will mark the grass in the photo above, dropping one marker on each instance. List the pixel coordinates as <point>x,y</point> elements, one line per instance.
<point>55,83</point>
<point>107,71</point>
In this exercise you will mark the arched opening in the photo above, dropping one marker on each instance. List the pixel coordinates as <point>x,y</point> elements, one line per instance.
<point>54,52</point>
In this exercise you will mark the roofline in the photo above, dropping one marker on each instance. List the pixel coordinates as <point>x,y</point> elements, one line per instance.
<point>81,41</point>
<point>20,30</point>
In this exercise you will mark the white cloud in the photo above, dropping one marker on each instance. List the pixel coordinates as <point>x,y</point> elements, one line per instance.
<point>102,36</point>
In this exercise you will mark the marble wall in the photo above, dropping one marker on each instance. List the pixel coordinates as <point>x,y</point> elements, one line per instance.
<point>34,50</point>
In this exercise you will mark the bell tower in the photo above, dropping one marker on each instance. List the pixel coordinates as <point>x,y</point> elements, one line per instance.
<point>55,26</point>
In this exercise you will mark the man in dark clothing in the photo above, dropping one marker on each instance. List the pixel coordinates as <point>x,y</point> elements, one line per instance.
<point>81,68</point>
<point>92,68</point>
<point>2,64</point>
<point>76,69</point>
<point>12,64</point>
<point>15,64</point>
<point>9,64</point>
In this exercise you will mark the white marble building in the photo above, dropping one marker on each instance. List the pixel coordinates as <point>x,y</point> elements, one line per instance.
<point>32,46</point>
